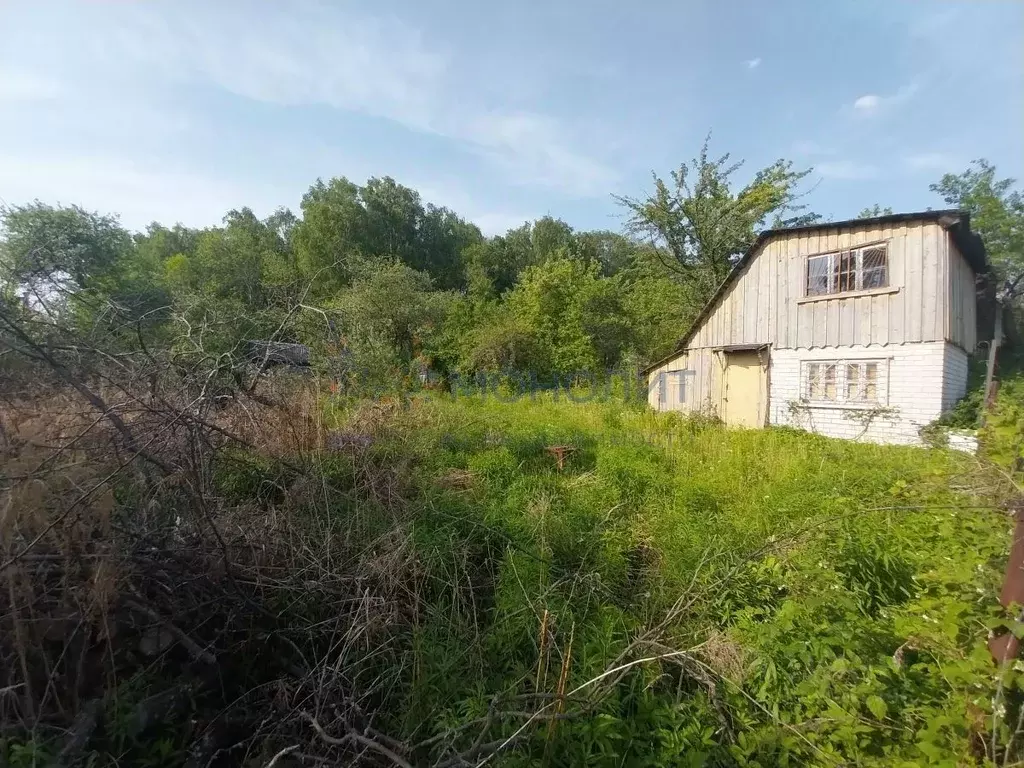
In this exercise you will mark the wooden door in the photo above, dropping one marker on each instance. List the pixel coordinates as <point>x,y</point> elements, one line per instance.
<point>746,388</point>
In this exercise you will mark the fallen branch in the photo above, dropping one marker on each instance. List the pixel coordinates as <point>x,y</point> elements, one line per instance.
<point>282,753</point>
<point>359,739</point>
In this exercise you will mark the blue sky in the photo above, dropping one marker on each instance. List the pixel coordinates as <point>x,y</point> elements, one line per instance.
<point>180,111</point>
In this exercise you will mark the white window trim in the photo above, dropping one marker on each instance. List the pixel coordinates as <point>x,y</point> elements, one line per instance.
<point>881,385</point>
<point>859,272</point>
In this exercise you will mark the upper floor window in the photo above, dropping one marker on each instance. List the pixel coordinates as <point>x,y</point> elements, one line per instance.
<point>854,270</point>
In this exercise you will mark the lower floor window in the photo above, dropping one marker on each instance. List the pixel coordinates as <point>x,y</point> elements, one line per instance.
<point>845,381</point>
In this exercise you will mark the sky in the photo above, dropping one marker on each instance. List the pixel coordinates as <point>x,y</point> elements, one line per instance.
<point>505,112</point>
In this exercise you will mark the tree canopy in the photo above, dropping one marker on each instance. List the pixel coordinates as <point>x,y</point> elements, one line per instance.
<point>701,225</point>
<point>997,214</point>
<point>374,276</point>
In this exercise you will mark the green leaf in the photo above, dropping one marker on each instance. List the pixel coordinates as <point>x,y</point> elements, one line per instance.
<point>876,705</point>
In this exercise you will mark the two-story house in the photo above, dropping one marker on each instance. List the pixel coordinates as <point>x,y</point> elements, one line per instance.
<point>852,329</point>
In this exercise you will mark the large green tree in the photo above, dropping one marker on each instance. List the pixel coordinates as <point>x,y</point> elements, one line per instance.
<point>494,266</point>
<point>660,304</point>
<point>997,214</point>
<point>344,224</point>
<point>394,302</point>
<point>700,223</point>
<point>52,252</point>
<point>330,236</point>
<point>575,315</point>
<point>612,251</point>
<point>79,268</point>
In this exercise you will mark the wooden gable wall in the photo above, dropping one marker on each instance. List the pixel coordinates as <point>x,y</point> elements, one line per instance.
<point>930,295</point>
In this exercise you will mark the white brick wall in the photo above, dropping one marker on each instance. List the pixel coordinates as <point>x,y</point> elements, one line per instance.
<point>924,379</point>
<point>954,376</point>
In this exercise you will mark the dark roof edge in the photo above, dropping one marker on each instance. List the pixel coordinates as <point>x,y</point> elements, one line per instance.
<point>956,221</point>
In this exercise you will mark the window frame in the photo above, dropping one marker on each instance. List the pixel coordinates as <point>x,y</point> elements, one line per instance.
<point>832,278</point>
<point>841,380</point>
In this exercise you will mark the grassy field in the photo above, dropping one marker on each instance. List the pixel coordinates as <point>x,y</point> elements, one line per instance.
<point>417,582</point>
<point>680,594</point>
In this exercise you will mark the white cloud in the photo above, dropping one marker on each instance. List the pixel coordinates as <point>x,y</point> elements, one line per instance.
<point>846,170</point>
<point>290,58</point>
<point>326,55</point>
<point>532,150</point>
<point>868,102</point>
<point>753,63</point>
<point>873,103</point>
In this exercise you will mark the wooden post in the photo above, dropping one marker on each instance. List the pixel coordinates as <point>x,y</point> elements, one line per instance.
<point>560,452</point>
<point>1004,646</point>
<point>993,348</point>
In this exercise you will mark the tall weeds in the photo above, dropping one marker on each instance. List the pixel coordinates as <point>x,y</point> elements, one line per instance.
<point>282,574</point>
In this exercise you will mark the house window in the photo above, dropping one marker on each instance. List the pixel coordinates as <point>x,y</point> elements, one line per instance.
<point>856,382</point>
<point>854,270</point>
<point>821,379</point>
<point>862,382</point>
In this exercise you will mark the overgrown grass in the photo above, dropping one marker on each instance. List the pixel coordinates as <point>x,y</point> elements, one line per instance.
<point>421,573</point>
<point>813,600</point>
<point>1002,428</point>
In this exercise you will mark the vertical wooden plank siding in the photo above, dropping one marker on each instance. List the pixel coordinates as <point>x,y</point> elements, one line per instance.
<point>883,329</point>
<point>914,252</point>
<point>954,315</point>
<point>931,287</point>
<point>898,276</point>
<point>792,254</point>
<point>748,295</point>
<point>944,283</point>
<point>964,298</point>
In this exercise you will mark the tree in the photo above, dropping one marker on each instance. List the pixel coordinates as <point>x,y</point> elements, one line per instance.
<point>80,268</point>
<point>660,304</point>
<point>507,343</point>
<point>442,241</point>
<point>332,231</point>
<point>499,261</point>
<point>997,214</point>
<point>242,260</point>
<point>574,314</point>
<point>344,224</point>
<point>53,253</point>
<point>874,212</point>
<point>391,301</point>
<point>700,225</point>
<point>550,236</point>
<point>612,251</point>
